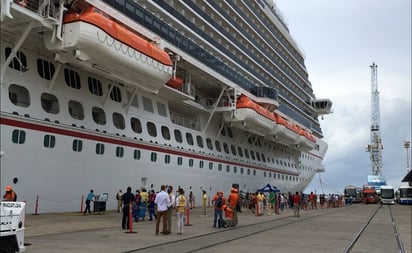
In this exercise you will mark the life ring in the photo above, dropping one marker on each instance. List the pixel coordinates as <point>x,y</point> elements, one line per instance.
<point>22,3</point>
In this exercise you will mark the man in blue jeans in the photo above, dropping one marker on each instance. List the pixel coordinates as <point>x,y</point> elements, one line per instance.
<point>89,199</point>
<point>218,201</point>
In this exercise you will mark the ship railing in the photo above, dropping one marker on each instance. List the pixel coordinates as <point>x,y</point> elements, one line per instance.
<point>181,120</point>
<point>44,8</point>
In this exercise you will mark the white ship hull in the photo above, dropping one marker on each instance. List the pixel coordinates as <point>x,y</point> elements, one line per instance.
<point>62,134</point>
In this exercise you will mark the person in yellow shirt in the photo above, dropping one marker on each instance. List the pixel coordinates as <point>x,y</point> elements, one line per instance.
<point>260,198</point>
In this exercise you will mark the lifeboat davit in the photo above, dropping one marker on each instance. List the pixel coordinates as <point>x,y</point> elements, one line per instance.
<point>251,117</point>
<point>95,40</point>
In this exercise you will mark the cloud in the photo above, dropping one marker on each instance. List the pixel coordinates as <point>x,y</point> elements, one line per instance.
<point>340,40</point>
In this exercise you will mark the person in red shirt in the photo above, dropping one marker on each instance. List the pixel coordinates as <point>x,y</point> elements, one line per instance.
<point>296,204</point>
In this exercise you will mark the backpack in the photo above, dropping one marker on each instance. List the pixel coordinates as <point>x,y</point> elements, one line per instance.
<point>219,202</point>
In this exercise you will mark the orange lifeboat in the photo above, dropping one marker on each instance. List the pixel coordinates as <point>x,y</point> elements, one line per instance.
<point>175,82</point>
<point>251,116</point>
<point>102,44</point>
<point>94,16</point>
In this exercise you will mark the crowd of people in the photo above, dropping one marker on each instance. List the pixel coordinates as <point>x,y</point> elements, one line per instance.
<point>164,204</point>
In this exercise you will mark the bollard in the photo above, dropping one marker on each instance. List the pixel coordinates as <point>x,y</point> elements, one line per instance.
<point>130,220</point>
<point>81,204</point>
<point>187,218</point>
<point>36,205</point>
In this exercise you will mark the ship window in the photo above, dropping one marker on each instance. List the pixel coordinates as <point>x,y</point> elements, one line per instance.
<point>234,169</point>
<point>209,144</point>
<point>210,166</point>
<point>95,86</point>
<point>72,78</point>
<point>199,141</point>
<point>129,10</point>
<point>252,154</point>
<point>278,176</point>
<point>191,162</point>
<point>227,168</point>
<point>258,156</point>
<point>45,69</point>
<point>270,174</point>
<point>133,97</point>
<point>264,174</point>
<point>254,172</point>
<point>153,157</point>
<point>19,95</point>
<point>118,120</point>
<point>19,61</point>
<point>167,159</point>
<point>219,167</point>
<point>233,149</point>
<point>223,132</point>
<point>49,103</point>
<point>18,136</point>
<point>49,141</point>
<point>246,153</point>
<point>180,161</point>
<point>99,148</point>
<point>201,163</point>
<point>225,147</point>
<point>76,110</point>
<point>189,139</point>
<point>178,136</point>
<point>151,129</point>
<point>229,133</point>
<point>136,154</point>
<point>161,108</point>
<point>165,132</point>
<point>119,151</point>
<point>116,95</point>
<point>98,115</point>
<point>136,125</point>
<point>147,104</point>
<point>240,151</point>
<point>263,158</point>
<point>217,145</point>
<point>77,145</point>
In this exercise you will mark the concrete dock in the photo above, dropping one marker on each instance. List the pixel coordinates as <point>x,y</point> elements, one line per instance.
<point>322,230</point>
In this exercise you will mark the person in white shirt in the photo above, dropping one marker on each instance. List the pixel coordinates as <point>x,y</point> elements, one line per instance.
<point>162,201</point>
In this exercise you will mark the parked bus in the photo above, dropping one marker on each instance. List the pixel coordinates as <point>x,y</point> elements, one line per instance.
<point>387,194</point>
<point>369,195</point>
<point>352,194</point>
<point>405,195</point>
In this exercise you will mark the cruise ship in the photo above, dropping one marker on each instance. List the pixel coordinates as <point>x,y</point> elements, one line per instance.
<point>198,94</point>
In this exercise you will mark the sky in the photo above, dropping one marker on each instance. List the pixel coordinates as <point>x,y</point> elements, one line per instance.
<point>340,40</point>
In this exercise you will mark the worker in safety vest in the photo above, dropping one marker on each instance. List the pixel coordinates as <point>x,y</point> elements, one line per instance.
<point>10,195</point>
<point>233,202</point>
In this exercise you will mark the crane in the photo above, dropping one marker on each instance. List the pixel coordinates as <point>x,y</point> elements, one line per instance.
<point>375,147</point>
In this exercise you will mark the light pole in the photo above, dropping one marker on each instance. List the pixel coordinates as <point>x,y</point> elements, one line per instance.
<point>407,145</point>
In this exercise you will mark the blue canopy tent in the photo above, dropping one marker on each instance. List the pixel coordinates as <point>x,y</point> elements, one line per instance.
<point>268,188</point>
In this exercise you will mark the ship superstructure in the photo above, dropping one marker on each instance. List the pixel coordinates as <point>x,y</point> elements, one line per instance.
<point>194,94</point>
